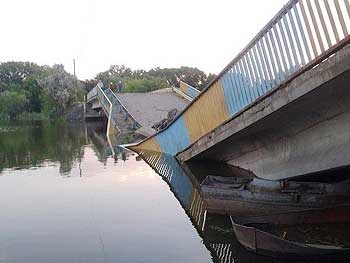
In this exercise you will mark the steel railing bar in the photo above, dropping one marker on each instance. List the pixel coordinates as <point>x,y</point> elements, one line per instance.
<point>285,43</point>
<point>296,36</point>
<point>264,66</point>
<point>347,4</point>
<point>290,38</point>
<point>268,66</point>
<point>278,60</point>
<point>325,30</point>
<point>259,66</point>
<point>308,28</point>
<point>246,79</point>
<point>242,84</point>
<point>234,81</point>
<point>269,51</point>
<point>256,72</point>
<point>341,18</point>
<point>280,48</point>
<point>252,75</point>
<point>331,19</point>
<point>314,22</point>
<point>302,33</point>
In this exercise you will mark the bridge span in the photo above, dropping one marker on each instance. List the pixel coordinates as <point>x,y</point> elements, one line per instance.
<point>280,109</point>
<point>130,113</point>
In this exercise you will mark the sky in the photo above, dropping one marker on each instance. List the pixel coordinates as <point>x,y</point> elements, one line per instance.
<point>137,33</point>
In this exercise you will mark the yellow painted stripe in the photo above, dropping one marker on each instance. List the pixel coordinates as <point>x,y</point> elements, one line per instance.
<point>149,145</point>
<point>183,87</point>
<point>206,113</point>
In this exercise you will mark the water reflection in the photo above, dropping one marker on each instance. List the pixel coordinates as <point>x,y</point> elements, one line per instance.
<point>32,144</point>
<point>215,230</point>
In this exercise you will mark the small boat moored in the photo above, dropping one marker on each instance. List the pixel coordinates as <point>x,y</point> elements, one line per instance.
<point>300,233</point>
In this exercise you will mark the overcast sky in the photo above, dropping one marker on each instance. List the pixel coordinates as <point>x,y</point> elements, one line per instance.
<point>141,34</point>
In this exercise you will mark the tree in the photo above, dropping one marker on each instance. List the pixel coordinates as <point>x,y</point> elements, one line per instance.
<point>61,89</point>
<point>12,103</point>
<point>191,76</point>
<point>161,78</point>
<point>15,72</point>
<point>33,91</point>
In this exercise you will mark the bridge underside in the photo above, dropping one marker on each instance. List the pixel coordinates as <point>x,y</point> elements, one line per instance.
<point>301,129</point>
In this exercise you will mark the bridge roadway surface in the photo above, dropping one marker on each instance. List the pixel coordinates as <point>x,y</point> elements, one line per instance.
<point>152,107</point>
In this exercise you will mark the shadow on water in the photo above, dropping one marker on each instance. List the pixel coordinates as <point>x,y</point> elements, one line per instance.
<point>33,144</point>
<point>215,230</point>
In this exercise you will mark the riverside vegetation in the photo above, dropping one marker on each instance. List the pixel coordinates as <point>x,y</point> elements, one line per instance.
<point>34,92</point>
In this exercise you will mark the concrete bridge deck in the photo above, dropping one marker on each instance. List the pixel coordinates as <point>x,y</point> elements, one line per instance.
<point>152,107</point>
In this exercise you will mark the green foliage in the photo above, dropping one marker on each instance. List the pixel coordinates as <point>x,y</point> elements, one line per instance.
<point>51,91</point>
<point>191,76</point>
<point>32,90</point>
<point>61,89</point>
<point>157,78</point>
<point>145,84</point>
<point>12,103</point>
<point>15,72</point>
<point>37,89</point>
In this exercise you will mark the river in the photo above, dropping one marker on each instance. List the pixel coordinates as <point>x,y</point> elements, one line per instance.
<point>64,199</point>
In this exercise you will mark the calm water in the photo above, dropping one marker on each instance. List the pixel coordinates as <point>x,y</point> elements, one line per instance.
<point>63,199</point>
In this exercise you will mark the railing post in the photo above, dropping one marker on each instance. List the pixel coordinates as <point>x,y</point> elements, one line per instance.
<point>133,126</point>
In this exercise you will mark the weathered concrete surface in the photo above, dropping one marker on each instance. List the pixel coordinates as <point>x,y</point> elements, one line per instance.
<point>152,107</point>
<point>302,128</point>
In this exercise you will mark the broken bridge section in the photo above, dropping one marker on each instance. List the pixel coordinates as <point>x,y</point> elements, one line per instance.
<point>292,71</point>
<point>301,129</point>
<point>152,107</point>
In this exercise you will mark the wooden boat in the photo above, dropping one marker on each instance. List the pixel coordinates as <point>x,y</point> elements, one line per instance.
<point>314,232</point>
<point>244,196</point>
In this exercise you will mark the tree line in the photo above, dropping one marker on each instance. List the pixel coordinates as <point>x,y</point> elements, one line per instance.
<point>27,89</point>
<point>158,78</point>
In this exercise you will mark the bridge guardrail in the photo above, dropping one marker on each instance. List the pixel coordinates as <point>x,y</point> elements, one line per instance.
<point>189,90</point>
<point>301,32</point>
<point>107,107</point>
<point>300,36</point>
<point>122,108</point>
<point>182,94</point>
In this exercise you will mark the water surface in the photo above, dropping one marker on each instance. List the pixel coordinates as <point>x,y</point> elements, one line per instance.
<point>63,200</point>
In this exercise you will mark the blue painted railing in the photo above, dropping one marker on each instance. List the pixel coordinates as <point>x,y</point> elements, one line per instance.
<point>301,35</point>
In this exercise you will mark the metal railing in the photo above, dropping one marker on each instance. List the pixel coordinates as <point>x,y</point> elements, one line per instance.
<point>122,109</point>
<point>107,107</point>
<point>189,90</point>
<point>182,94</point>
<point>303,32</point>
<point>302,35</point>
